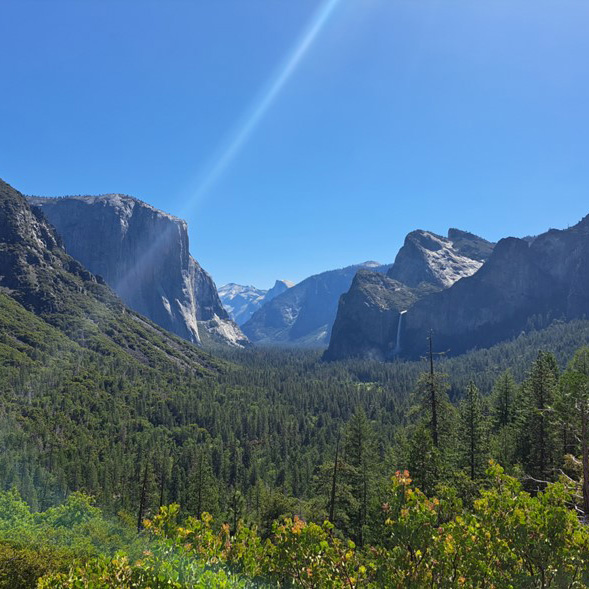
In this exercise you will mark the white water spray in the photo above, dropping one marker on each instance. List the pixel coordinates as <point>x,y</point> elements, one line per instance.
<point>397,349</point>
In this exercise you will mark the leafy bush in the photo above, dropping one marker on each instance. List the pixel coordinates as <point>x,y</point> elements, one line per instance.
<point>507,539</point>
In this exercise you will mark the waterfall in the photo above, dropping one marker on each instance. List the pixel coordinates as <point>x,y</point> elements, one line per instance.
<point>397,349</point>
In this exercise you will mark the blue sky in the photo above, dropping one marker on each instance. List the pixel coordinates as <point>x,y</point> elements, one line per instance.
<point>297,136</point>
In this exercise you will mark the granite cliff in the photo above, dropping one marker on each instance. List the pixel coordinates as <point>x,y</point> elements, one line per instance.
<point>525,284</point>
<point>477,295</point>
<point>370,316</point>
<point>143,254</point>
<point>67,304</point>
<point>439,261</point>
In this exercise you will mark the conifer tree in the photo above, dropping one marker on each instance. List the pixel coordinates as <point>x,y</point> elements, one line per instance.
<point>333,491</point>
<point>473,432</point>
<point>537,439</point>
<point>423,458</point>
<point>428,451</point>
<point>360,457</point>
<point>434,405</point>
<point>503,401</point>
<point>503,418</point>
<point>143,496</point>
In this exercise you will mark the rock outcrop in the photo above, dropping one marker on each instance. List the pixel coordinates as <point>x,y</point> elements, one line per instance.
<point>368,316</point>
<point>279,287</point>
<point>525,284</point>
<point>371,316</point>
<point>439,261</point>
<point>65,297</point>
<point>143,254</point>
<point>34,268</point>
<point>241,302</point>
<point>303,315</point>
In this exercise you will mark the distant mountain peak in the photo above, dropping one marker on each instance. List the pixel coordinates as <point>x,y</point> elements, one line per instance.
<point>369,319</point>
<point>287,283</point>
<point>242,301</point>
<point>302,316</point>
<point>370,264</point>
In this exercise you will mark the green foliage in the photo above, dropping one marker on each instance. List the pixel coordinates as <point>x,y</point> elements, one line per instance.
<point>21,567</point>
<point>537,439</point>
<point>508,538</point>
<point>33,544</point>
<point>97,402</point>
<point>473,433</point>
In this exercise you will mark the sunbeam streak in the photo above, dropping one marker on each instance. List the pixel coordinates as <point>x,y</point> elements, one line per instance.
<point>249,123</point>
<point>240,137</point>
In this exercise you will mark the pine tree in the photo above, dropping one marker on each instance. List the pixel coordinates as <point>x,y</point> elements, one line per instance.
<point>437,416</point>
<point>503,401</point>
<point>503,418</point>
<point>143,496</point>
<point>333,491</point>
<point>473,432</point>
<point>423,458</point>
<point>236,505</point>
<point>360,457</point>
<point>537,440</point>
<point>203,495</point>
<point>434,405</point>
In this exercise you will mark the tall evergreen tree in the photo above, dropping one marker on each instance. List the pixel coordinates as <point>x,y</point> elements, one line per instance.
<point>423,459</point>
<point>434,406</point>
<point>436,415</point>
<point>537,434</point>
<point>333,491</point>
<point>503,403</point>
<point>360,456</point>
<point>473,432</point>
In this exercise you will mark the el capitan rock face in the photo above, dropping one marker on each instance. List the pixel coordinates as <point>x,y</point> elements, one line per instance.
<point>371,315</point>
<point>66,299</point>
<point>142,253</point>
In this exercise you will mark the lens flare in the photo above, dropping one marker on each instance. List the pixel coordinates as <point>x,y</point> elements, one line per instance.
<point>249,123</point>
<point>239,137</point>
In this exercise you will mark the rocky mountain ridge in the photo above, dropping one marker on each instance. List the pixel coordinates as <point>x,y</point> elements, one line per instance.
<point>370,315</point>
<point>37,273</point>
<point>143,254</point>
<point>303,315</point>
<point>524,284</point>
<point>439,261</point>
<point>241,302</point>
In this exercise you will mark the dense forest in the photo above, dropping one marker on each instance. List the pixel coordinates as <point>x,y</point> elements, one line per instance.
<point>352,473</point>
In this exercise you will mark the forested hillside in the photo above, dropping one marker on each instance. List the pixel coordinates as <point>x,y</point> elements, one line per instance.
<point>272,467</point>
<point>255,439</point>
